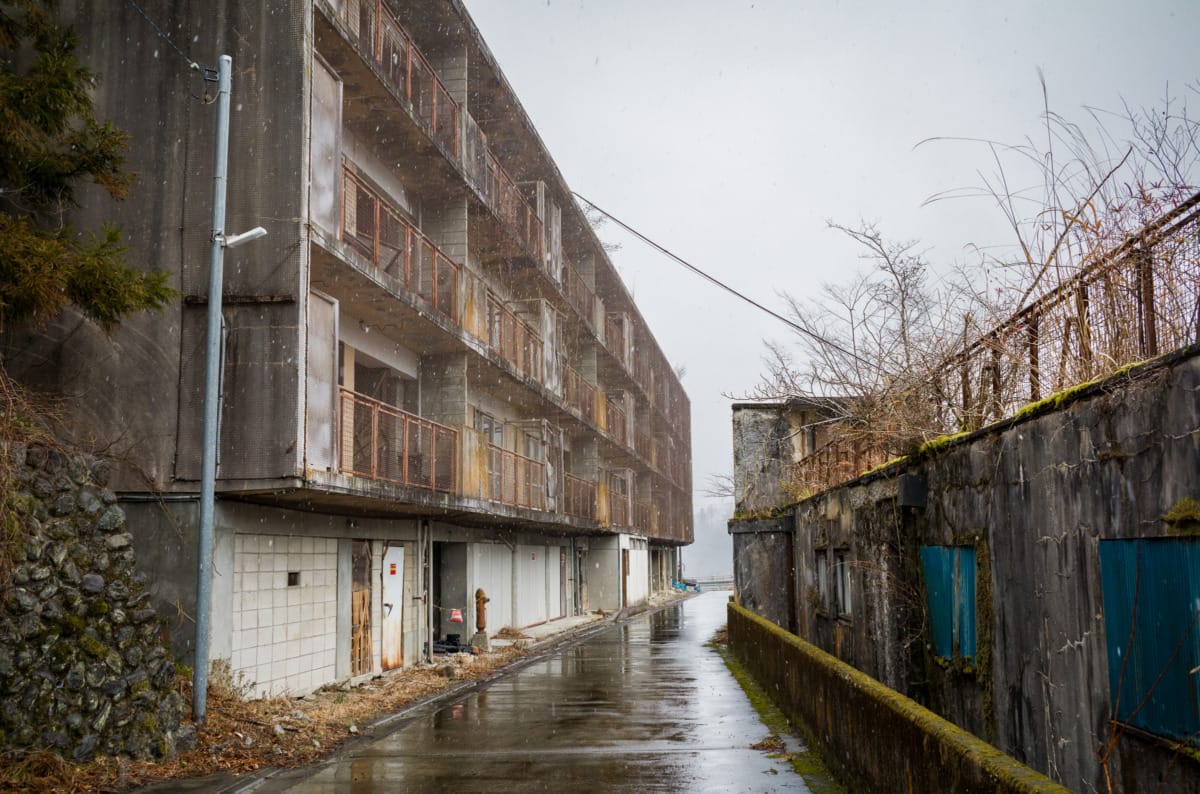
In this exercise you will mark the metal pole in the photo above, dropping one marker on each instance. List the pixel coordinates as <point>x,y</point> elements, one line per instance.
<point>208,477</point>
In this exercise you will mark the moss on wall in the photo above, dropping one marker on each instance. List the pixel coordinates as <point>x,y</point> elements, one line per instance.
<point>871,736</point>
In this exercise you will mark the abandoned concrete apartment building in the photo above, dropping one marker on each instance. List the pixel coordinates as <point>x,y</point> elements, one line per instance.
<point>433,378</point>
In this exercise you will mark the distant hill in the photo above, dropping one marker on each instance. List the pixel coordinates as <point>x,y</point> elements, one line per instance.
<point>712,553</point>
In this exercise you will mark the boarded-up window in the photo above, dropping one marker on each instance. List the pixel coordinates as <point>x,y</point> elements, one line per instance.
<point>1151,611</point>
<point>360,608</point>
<point>950,597</point>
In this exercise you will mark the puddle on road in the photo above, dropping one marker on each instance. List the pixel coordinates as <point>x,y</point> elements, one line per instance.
<point>641,707</point>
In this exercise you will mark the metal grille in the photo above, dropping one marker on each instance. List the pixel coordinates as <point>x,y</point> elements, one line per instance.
<point>382,442</point>
<point>514,479</point>
<point>580,497</point>
<point>376,230</point>
<point>514,340</point>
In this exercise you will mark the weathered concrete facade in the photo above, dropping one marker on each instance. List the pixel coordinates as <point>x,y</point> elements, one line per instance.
<point>1032,500</point>
<point>429,358</point>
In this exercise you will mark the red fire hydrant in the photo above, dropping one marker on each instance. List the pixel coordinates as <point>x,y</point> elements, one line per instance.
<point>481,600</point>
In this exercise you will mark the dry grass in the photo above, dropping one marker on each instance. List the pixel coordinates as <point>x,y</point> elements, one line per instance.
<point>241,735</point>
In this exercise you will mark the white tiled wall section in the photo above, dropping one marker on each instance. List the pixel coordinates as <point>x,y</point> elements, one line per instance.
<point>283,636</point>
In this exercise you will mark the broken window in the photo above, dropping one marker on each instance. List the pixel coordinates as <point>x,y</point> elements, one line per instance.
<point>841,571</point>
<point>950,598</point>
<point>822,563</point>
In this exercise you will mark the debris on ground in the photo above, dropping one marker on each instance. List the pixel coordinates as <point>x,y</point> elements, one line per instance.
<point>242,736</point>
<point>509,633</point>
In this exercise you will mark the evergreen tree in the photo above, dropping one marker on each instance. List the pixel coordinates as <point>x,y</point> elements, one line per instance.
<point>50,142</point>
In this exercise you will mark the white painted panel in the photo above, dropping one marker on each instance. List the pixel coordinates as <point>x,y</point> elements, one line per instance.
<point>554,557</point>
<point>531,585</point>
<point>324,154</point>
<point>393,607</point>
<point>321,389</point>
<point>493,572</point>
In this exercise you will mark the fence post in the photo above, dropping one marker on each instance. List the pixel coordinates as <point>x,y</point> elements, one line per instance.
<point>1149,326</point>
<point>1035,374</point>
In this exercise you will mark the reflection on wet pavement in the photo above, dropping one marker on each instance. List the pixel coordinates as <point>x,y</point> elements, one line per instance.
<point>644,706</point>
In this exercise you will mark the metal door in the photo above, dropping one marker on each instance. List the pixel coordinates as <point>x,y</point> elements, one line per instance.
<point>393,607</point>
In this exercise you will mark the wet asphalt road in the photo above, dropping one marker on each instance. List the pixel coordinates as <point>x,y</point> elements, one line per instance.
<point>640,707</point>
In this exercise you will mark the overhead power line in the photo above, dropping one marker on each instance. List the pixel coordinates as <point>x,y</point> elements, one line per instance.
<point>718,283</point>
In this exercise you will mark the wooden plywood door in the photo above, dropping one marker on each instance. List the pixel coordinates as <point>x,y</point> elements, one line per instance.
<point>360,609</point>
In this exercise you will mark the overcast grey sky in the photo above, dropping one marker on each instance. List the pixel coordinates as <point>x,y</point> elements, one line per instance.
<point>730,131</point>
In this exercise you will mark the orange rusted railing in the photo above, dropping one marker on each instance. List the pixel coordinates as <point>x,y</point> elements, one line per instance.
<point>376,230</point>
<point>616,423</point>
<point>646,516</point>
<point>506,200</point>
<point>580,393</point>
<point>382,442</point>
<point>405,69</point>
<point>580,295</point>
<point>642,444</point>
<point>580,497</point>
<point>514,479</point>
<point>614,338</point>
<point>618,508</point>
<point>514,340</point>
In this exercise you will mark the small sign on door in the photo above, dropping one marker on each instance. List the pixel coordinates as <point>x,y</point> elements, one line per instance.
<point>392,569</point>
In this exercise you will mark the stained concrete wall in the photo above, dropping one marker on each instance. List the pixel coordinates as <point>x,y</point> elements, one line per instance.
<point>1034,496</point>
<point>147,89</point>
<point>764,563</point>
<point>871,736</point>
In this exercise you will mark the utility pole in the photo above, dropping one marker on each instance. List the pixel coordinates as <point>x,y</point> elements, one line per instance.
<point>212,380</point>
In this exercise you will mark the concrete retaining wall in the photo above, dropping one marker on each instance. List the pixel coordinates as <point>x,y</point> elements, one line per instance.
<point>873,738</point>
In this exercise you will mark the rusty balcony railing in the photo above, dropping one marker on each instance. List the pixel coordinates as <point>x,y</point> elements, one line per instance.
<point>515,341</point>
<point>618,508</point>
<point>580,497</point>
<point>376,230</point>
<point>579,393</point>
<point>518,216</point>
<point>406,70</point>
<point>642,445</point>
<point>580,295</point>
<point>382,442</point>
<point>614,338</point>
<point>616,423</point>
<point>516,480</point>
<point>646,516</point>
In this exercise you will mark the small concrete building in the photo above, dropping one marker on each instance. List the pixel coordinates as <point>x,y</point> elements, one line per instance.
<point>433,379</point>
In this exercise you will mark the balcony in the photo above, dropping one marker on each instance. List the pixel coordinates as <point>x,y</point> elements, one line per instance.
<point>579,295</point>
<point>580,394</point>
<point>646,516</point>
<point>505,199</point>
<point>516,480</point>
<point>407,72</point>
<point>614,338</point>
<point>618,508</point>
<point>376,230</point>
<point>616,423</point>
<point>580,497</point>
<point>643,445</point>
<point>515,341</point>
<point>382,442</point>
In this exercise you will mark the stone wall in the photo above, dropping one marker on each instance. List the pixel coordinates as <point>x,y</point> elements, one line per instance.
<point>83,668</point>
